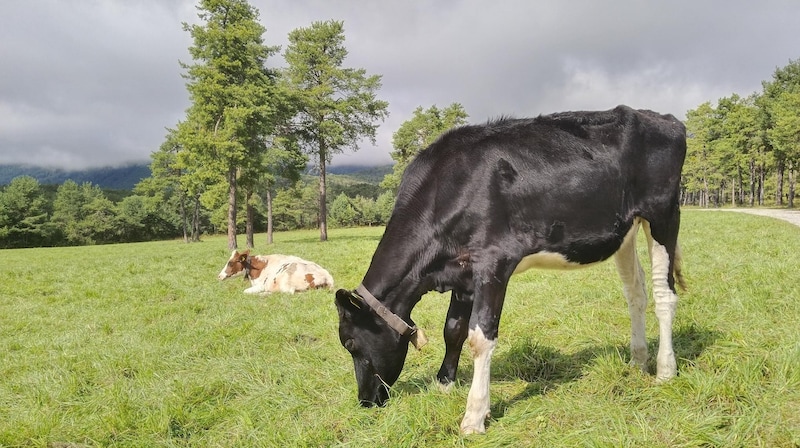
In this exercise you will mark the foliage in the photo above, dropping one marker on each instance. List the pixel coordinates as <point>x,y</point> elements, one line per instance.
<point>24,215</point>
<point>337,107</point>
<point>169,356</point>
<point>417,133</point>
<point>342,211</point>
<point>734,147</point>
<point>235,100</point>
<point>295,207</point>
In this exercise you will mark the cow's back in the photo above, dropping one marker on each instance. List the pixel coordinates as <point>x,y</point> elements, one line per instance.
<point>544,181</point>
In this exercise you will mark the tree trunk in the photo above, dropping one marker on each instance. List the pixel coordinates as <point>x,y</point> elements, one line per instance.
<point>792,180</point>
<point>249,220</point>
<point>269,217</point>
<point>232,209</point>
<point>323,207</point>
<point>779,168</point>
<point>196,220</point>
<point>740,179</point>
<point>184,219</point>
<point>752,182</point>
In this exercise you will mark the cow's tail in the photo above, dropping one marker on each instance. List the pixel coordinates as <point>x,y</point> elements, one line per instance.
<point>677,269</point>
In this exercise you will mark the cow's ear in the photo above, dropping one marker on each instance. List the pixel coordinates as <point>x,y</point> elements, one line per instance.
<point>348,301</point>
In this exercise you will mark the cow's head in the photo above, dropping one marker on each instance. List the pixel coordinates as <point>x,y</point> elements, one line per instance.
<point>378,350</point>
<point>235,265</point>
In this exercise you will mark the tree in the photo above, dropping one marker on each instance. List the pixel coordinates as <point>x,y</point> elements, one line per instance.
<point>342,211</point>
<point>785,81</point>
<point>785,135</point>
<point>337,106</point>
<point>23,214</point>
<point>283,163</point>
<point>84,214</point>
<point>741,144</point>
<point>417,133</point>
<point>171,186</point>
<point>385,205</point>
<point>700,169</point>
<point>294,208</point>
<point>233,97</point>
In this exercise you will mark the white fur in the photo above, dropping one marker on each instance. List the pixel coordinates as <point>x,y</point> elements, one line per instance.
<point>291,277</point>
<point>222,274</point>
<point>283,273</point>
<point>666,303</point>
<point>635,291</point>
<point>547,260</point>
<point>478,398</point>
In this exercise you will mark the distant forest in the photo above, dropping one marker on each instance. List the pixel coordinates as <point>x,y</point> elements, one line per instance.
<point>49,207</point>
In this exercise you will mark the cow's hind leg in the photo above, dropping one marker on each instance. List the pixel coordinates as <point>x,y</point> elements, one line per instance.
<point>635,291</point>
<point>456,327</point>
<point>662,254</point>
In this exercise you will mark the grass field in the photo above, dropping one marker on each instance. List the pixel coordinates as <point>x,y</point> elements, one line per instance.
<point>139,345</point>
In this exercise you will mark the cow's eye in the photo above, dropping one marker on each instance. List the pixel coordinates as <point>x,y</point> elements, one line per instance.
<point>350,345</point>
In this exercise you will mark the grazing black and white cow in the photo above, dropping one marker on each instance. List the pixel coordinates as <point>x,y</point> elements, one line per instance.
<point>485,202</point>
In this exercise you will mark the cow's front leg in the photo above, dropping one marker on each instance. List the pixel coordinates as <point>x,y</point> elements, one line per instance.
<point>456,327</point>
<point>255,289</point>
<point>482,341</point>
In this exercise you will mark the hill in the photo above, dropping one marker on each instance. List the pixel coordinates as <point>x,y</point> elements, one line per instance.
<point>353,180</point>
<point>127,176</point>
<point>366,174</point>
<point>115,178</point>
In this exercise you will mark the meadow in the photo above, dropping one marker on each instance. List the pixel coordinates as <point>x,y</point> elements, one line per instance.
<point>139,345</point>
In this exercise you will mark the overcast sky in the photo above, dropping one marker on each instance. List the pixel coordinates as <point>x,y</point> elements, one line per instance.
<point>88,83</point>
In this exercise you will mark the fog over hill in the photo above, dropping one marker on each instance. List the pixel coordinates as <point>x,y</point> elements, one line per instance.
<point>114,178</point>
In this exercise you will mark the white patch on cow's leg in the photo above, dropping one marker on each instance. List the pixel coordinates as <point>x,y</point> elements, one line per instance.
<point>444,388</point>
<point>255,289</point>
<point>635,292</point>
<point>666,302</point>
<point>478,399</point>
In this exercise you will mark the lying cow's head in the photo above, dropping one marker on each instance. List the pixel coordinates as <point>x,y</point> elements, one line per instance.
<point>378,351</point>
<point>235,265</point>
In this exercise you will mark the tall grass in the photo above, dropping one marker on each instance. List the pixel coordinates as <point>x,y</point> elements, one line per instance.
<point>139,345</point>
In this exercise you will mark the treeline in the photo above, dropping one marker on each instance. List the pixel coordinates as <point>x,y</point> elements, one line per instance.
<point>746,150</point>
<point>72,214</point>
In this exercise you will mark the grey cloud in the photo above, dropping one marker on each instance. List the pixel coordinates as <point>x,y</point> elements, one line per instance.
<point>95,82</point>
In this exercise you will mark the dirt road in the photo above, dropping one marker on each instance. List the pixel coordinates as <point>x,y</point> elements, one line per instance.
<point>792,216</point>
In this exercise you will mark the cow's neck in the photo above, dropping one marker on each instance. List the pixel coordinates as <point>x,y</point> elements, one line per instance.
<point>395,274</point>
<point>256,266</point>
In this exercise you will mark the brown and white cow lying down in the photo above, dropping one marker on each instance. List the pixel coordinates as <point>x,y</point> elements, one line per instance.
<point>276,273</point>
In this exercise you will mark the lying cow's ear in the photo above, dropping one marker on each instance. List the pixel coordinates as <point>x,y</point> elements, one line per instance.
<point>348,301</point>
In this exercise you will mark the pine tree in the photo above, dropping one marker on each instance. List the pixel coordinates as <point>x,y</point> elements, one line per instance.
<point>337,106</point>
<point>234,98</point>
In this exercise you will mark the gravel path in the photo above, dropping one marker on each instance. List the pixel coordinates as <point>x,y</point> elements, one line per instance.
<point>792,216</point>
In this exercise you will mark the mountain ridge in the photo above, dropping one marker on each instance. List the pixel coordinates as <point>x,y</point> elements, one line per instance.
<point>125,177</point>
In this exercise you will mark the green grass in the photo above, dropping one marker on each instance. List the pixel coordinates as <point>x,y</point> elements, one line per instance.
<point>139,345</point>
